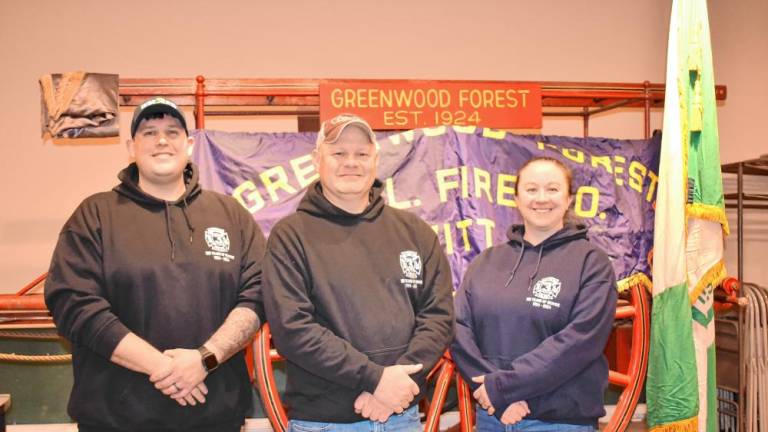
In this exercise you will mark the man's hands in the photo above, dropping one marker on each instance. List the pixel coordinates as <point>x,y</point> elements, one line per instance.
<point>177,373</point>
<point>393,394</point>
<point>513,414</point>
<point>181,376</point>
<point>396,389</point>
<point>371,408</point>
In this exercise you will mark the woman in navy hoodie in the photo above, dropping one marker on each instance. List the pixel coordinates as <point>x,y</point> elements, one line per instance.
<point>533,315</point>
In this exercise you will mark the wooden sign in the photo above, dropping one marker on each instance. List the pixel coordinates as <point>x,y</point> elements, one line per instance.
<point>406,104</point>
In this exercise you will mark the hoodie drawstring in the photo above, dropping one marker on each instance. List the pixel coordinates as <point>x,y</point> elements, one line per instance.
<point>514,269</point>
<point>536,269</point>
<point>168,230</point>
<point>188,220</point>
<point>517,265</point>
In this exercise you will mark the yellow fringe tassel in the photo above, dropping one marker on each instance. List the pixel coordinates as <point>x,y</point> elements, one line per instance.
<point>714,276</point>
<point>710,213</point>
<point>687,425</point>
<point>635,279</point>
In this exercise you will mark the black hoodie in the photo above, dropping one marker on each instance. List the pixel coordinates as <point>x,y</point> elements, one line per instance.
<point>534,320</point>
<point>170,272</point>
<point>347,295</point>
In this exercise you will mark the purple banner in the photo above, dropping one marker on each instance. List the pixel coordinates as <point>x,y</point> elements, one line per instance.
<point>461,180</point>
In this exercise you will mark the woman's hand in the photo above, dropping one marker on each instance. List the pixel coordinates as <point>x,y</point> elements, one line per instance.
<point>515,412</point>
<point>482,396</point>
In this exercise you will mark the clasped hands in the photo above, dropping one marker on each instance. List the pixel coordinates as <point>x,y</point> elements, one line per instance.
<point>393,394</point>
<point>513,414</point>
<point>180,376</point>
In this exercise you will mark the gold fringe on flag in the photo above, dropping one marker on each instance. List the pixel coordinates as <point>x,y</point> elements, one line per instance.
<point>687,425</point>
<point>635,279</point>
<point>714,276</point>
<point>710,213</point>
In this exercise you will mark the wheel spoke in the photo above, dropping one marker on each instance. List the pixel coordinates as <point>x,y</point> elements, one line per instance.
<point>618,378</point>
<point>623,312</point>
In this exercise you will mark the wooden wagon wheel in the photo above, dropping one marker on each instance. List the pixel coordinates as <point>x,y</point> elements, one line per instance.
<point>264,355</point>
<point>637,309</point>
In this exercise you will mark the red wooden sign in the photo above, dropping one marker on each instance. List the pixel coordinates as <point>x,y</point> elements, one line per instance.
<point>406,104</point>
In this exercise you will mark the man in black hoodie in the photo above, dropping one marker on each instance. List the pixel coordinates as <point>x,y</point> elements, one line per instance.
<point>357,293</point>
<point>157,285</point>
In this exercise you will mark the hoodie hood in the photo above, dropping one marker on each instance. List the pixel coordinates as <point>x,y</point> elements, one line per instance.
<point>316,204</point>
<point>515,233</point>
<point>569,232</point>
<point>129,187</point>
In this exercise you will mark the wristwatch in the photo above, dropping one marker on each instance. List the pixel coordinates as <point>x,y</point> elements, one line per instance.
<point>210,362</point>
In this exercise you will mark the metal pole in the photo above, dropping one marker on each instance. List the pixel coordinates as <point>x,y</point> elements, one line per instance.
<point>647,109</point>
<point>200,102</point>
<point>742,416</point>
<point>740,220</point>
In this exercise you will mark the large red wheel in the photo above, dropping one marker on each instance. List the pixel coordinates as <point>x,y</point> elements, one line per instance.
<point>638,310</point>
<point>264,354</point>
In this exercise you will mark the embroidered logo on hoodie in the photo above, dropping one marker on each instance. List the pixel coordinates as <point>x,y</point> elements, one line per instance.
<point>410,264</point>
<point>218,241</point>
<point>544,291</point>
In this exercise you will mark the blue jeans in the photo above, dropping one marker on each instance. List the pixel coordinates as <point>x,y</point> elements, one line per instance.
<point>487,423</point>
<point>408,421</point>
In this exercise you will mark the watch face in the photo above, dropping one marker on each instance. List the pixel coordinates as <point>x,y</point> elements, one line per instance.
<point>210,361</point>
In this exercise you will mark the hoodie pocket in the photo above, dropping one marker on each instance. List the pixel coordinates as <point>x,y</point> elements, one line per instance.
<point>386,356</point>
<point>500,362</point>
<point>142,405</point>
<point>566,404</point>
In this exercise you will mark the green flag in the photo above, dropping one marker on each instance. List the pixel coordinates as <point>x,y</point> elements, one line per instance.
<point>688,238</point>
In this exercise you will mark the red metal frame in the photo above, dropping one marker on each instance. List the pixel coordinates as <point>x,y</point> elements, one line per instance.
<point>24,309</point>
<point>301,96</point>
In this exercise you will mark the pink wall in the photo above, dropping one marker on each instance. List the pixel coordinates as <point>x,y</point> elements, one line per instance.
<point>600,40</point>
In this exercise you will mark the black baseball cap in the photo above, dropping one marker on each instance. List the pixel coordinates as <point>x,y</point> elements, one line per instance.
<point>156,106</point>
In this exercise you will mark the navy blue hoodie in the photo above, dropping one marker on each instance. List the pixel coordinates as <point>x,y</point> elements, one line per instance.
<point>534,320</point>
